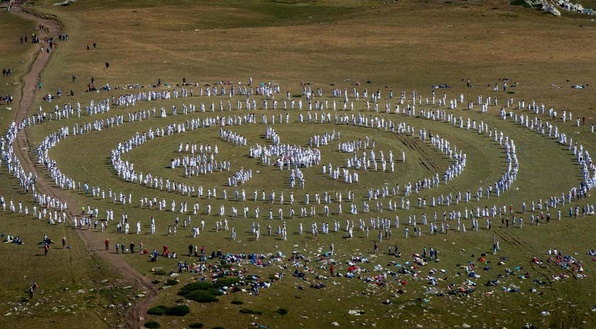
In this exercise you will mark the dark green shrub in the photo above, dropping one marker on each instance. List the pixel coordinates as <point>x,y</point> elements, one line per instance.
<point>249,311</point>
<point>196,325</point>
<point>152,324</point>
<point>215,292</point>
<point>178,310</point>
<point>199,285</point>
<point>157,310</point>
<point>237,302</point>
<point>520,3</point>
<point>282,311</point>
<point>226,281</point>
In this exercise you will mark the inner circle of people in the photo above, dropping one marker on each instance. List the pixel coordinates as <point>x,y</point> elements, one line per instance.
<point>401,206</point>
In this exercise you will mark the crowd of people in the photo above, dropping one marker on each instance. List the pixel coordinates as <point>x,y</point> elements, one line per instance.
<point>296,158</point>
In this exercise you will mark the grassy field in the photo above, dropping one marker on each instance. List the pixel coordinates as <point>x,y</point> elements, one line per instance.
<point>407,45</point>
<point>15,55</point>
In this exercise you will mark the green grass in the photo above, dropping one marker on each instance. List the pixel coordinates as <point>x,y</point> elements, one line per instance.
<point>403,46</point>
<point>485,166</point>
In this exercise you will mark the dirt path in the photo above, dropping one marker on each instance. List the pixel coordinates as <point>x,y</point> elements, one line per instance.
<point>93,242</point>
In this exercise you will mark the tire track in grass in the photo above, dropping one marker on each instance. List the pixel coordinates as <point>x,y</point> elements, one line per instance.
<point>545,271</point>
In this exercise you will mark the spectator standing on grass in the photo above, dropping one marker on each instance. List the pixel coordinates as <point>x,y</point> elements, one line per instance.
<point>33,289</point>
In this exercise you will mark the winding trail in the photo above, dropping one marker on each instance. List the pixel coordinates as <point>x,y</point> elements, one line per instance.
<point>93,242</point>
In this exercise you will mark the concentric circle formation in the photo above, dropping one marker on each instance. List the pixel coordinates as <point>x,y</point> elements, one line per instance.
<point>245,152</point>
